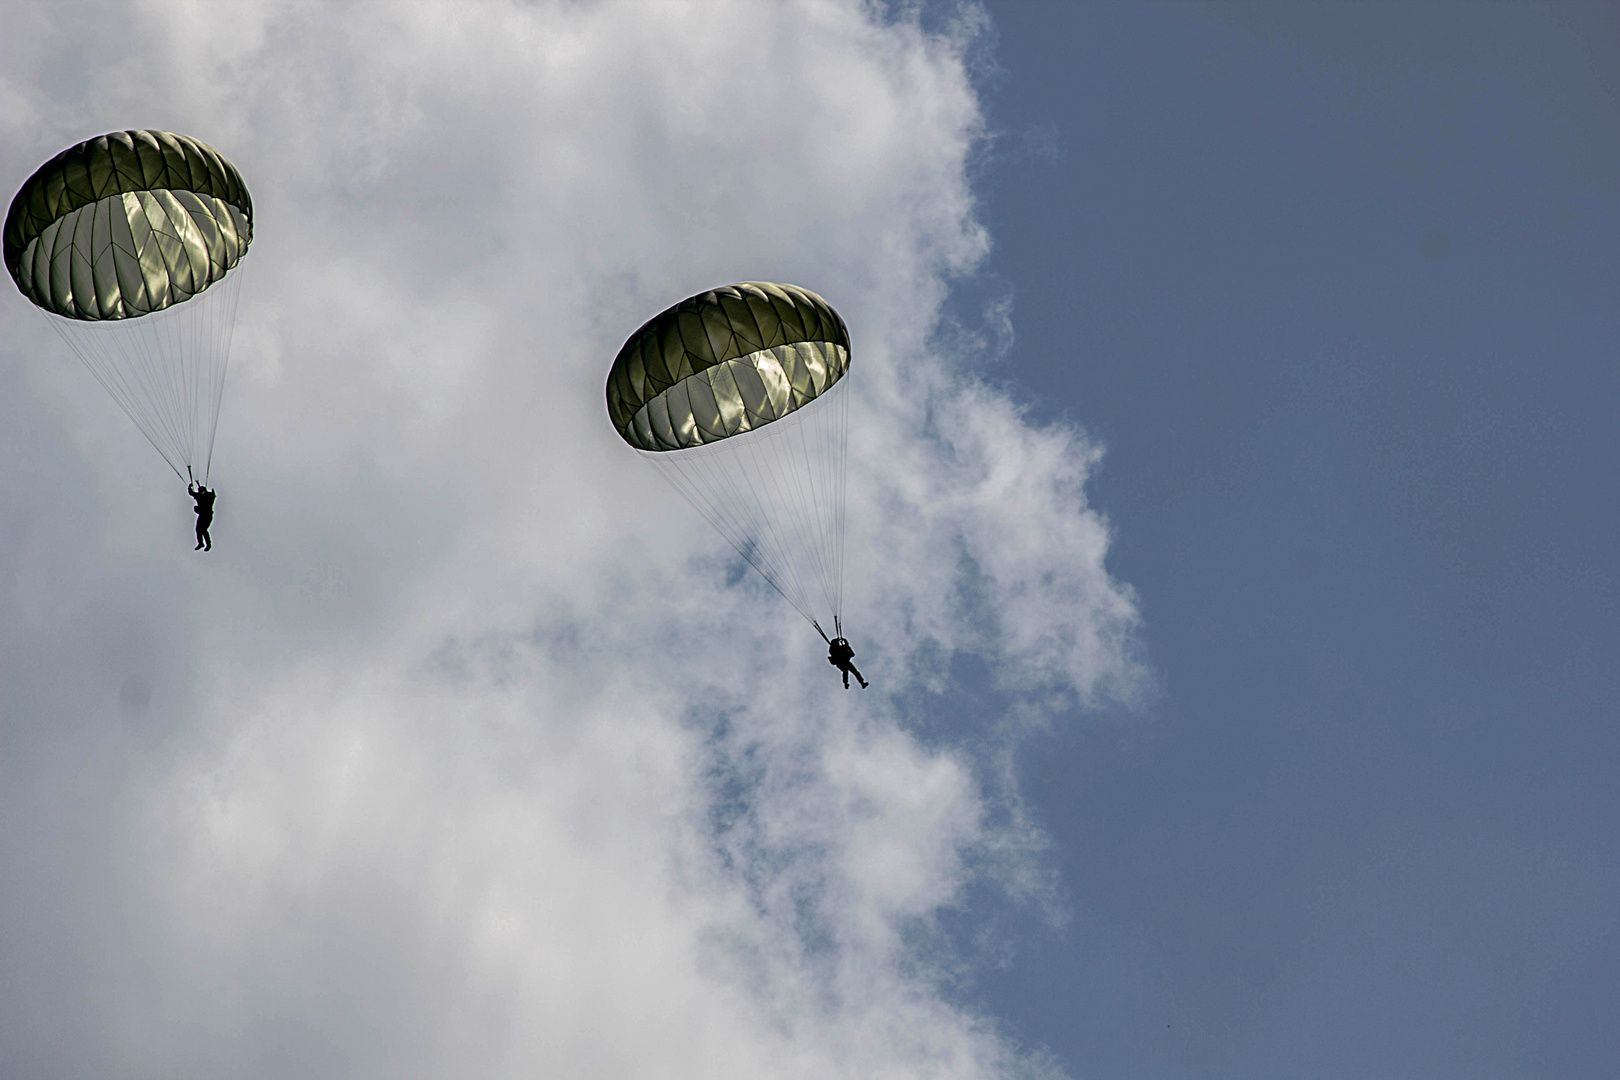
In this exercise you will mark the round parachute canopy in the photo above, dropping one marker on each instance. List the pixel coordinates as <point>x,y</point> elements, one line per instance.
<point>737,397</point>
<point>128,237</point>
<point>724,362</point>
<point>126,224</point>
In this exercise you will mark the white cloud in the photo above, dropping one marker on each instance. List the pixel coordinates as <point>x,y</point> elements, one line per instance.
<point>459,756</point>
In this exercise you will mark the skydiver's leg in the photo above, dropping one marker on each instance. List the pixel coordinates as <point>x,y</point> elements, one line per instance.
<point>208,541</point>
<point>202,533</point>
<point>846,677</point>
<point>858,678</point>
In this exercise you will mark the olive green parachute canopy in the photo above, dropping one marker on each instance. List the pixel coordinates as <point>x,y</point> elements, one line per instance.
<point>126,224</point>
<point>724,362</point>
<point>737,397</point>
<point>128,242</point>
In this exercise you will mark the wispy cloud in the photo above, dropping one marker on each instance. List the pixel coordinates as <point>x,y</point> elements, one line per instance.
<point>465,753</point>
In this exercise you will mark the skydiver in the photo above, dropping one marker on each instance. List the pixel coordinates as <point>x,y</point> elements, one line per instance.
<point>839,655</point>
<point>205,514</point>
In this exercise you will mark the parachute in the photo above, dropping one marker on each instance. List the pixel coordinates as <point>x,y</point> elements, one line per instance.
<point>737,397</point>
<point>127,241</point>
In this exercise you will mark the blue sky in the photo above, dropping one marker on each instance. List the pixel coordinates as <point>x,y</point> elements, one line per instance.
<point>1367,501</point>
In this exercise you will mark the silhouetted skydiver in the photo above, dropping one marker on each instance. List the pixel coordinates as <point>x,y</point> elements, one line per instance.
<point>839,655</point>
<point>205,514</point>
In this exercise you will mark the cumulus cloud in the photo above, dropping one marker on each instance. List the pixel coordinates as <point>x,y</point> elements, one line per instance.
<point>467,751</point>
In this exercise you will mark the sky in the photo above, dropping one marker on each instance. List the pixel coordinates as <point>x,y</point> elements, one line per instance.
<point>1362,482</point>
<point>1228,547</point>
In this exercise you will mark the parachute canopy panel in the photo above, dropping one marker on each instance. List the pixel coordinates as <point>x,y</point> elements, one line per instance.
<point>724,362</point>
<point>127,224</point>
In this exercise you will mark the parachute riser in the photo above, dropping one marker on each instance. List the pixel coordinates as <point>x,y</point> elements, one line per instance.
<point>838,629</point>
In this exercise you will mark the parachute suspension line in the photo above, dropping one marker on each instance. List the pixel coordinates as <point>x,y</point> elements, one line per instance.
<point>809,472</point>
<point>812,490</point>
<point>127,389</point>
<point>166,370</point>
<point>842,454</point>
<point>221,330</point>
<point>775,494</point>
<point>758,471</point>
<point>735,510</point>
<point>725,524</point>
<point>831,454</point>
<point>800,467</point>
<point>805,497</point>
